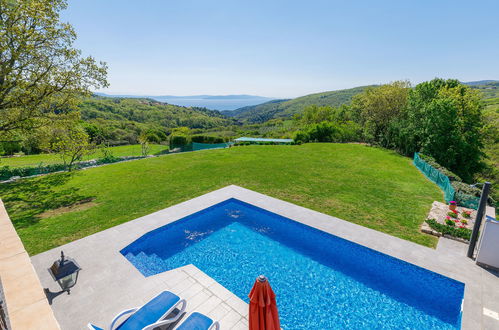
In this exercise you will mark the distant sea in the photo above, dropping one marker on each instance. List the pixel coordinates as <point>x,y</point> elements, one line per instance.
<point>213,104</point>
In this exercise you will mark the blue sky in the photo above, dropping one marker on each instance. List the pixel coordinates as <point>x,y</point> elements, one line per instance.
<point>284,48</point>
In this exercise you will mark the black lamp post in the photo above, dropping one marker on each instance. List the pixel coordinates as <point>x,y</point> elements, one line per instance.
<point>65,272</point>
<point>478,220</point>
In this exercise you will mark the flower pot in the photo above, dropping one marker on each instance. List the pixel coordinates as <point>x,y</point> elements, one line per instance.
<point>452,207</point>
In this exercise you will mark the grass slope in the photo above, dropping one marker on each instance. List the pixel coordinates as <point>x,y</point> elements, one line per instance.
<point>373,187</point>
<point>35,160</point>
<point>286,108</point>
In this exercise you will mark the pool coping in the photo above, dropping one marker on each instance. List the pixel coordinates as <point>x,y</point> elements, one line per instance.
<point>100,253</point>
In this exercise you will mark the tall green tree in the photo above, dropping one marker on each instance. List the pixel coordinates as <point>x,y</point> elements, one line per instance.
<point>41,74</point>
<point>378,107</point>
<point>445,121</point>
<point>69,140</point>
<point>314,114</point>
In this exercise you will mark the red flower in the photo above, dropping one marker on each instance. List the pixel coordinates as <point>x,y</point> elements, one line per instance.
<point>455,211</point>
<point>447,217</point>
<point>455,220</point>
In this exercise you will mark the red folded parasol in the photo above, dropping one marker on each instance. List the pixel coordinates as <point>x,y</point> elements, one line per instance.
<point>263,313</point>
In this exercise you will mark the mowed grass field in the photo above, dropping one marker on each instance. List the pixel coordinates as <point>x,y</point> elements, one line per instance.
<point>369,186</point>
<point>45,159</point>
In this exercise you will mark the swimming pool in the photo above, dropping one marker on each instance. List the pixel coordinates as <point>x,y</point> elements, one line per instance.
<point>321,281</point>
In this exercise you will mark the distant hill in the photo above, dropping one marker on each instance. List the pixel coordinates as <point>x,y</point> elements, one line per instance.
<point>489,88</point>
<point>143,110</point>
<point>213,102</point>
<point>482,82</point>
<point>287,108</point>
<point>120,120</point>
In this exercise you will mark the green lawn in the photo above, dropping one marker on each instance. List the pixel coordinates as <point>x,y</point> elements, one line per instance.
<point>35,160</point>
<point>373,187</point>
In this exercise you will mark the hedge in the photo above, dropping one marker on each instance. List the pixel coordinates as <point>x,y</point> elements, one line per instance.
<point>6,172</point>
<point>207,139</point>
<point>178,140</point>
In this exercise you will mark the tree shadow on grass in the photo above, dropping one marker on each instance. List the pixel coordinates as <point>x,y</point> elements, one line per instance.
<point>26,199</point>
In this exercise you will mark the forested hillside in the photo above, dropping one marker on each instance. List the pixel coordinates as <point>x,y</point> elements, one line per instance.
<point>287,108</point>
<point>121,120</point>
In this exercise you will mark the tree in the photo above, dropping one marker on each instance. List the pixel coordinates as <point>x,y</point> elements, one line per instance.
<point>314,114</point>
<point>177,140</point>
<point>377,107</point>
<point>41,74</point>
<point>70,142</point>
<point>445,121</point>
<point>144,143</point>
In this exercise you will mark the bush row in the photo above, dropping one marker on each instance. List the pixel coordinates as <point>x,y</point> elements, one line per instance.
<point>449,230</point>
<point>7,172</point>
<point>207,139</point>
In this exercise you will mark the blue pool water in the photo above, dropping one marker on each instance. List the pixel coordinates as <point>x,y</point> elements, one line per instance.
<point>321,281</point>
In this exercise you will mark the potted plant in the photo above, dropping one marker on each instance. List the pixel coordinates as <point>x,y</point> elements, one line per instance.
<point>452,205</point>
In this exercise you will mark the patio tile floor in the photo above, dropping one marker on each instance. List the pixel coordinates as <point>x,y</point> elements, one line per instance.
<point>109,283</point>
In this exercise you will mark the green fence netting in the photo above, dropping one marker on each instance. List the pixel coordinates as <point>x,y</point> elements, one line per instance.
<point>462,199</point>
<point>195,146</point>
<point>436,176</point>
<point>204,146</point>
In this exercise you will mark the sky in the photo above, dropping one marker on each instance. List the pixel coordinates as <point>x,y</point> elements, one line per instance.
<point>284,48</point>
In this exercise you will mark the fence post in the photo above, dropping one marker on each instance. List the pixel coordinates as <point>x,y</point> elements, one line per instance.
<point>478,219</point>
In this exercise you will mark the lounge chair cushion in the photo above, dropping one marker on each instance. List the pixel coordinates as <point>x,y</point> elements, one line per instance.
<point>196,321</point>
<point>150,312</point>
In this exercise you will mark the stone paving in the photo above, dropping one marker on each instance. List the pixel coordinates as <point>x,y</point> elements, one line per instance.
<point>439,212</point>
<point>108,283</point>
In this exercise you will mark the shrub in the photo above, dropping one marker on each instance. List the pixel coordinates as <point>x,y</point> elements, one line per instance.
<point>452,214</point>
<point>207,139</point>
<point>464,221</point>
<point>241,143</point>
<point>301,137</point>
<point>7,172</point>
<point>178,140</point>
<point>449,222</point>
<point>10,147</point>
<point>449,230</point>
